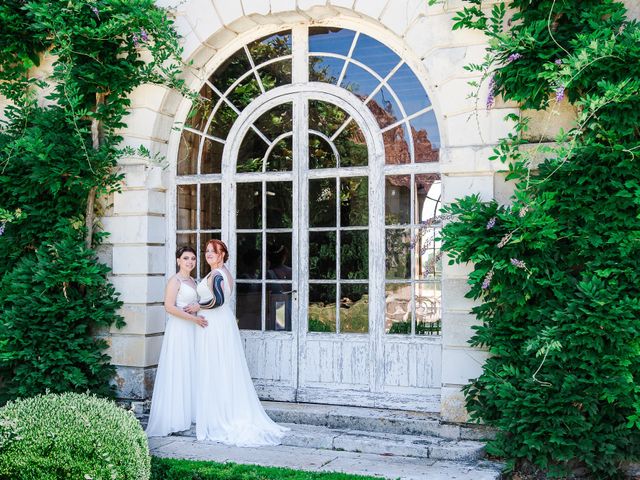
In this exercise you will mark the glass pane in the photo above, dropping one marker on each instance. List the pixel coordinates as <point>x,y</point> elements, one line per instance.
<point>428,254</point>
<point>248,306</point>
<point>186,240</point>
<point>354,254</point>
<point>398,256</point>
<point>249,205</point>
<point>279,256</point>
<point>271,46</point>
<point>325,69</point>
<point>204,238</point>
<point>384,108</point>
<point>325,117</point>
<point>328,39</point>
<point>320,153</point>
<point>352,146</point>
<point>426,137</point>
<point>230,71</point>
<point>278,307</point>
<point>359,82</point>
<point>276,121</point>
<point>322,202</point>
<point>211,156</point>
<point>249,261</point>
<point>245,92</point>
<point>375,55</point>
<point>322,255</point>
<point>210,202</point>
<point>397,200</point>
<point>354,308</point>
<point>187,210</point>
<point>396,145</point>
<point>188,153</point>
<point>427,298</point>
<point>201,109</point>
<point>281,157</point>
<point>222,121</point>
<point>354,201</point>
<point>251,154</point>
<point>428,188</point>
<point>322,308</point>
<point>409,90</point>
<point>398,308</point>
<point>275,74</point>
<point>279,208</point>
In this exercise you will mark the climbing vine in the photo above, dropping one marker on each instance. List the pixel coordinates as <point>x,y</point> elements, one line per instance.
<point>556,273</point>
<point>59,148</point>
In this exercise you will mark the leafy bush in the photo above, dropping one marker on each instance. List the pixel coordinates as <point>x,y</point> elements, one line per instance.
<point>70,435</point>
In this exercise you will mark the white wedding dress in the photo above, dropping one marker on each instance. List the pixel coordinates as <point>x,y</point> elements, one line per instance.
<point>173,401</point>
<point>227,407</point>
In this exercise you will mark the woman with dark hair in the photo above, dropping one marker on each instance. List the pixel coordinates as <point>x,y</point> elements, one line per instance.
<point>227,407</point>
<point>173,401</point>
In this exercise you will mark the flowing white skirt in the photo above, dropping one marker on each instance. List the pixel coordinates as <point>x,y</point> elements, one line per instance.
<point>173,401</point>
<point>227,407</point>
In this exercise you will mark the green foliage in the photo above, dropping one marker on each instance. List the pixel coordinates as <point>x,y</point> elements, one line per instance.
<point>557,272</point>
<point>52,436</point>
<point>171,469</point>
<point>55,161</point>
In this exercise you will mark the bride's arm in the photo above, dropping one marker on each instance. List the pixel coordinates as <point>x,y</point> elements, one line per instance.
<point>170,295</point>
<point>218,296</point>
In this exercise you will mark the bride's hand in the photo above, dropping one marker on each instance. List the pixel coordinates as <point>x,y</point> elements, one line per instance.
<point>192,308</point>
<point>202,322</point>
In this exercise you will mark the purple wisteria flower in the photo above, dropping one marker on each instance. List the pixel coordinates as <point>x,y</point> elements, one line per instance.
<point>518,263</point>
<point>487,280</point>
<point>513,57</point>
<point>95,11</point>
<point>558,61</point>
<point>505,239</point>
<point>135,39</point>
<point>2,224</point>
<point>491,223</point>
<point>491,98</point>
<point>144,36</point>
<point>559,93</point>
<point>523,211</point>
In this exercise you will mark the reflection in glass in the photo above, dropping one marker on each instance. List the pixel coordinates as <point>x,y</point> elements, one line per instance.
<point>325,117</point>
<point>354,201</point>
<point>278,307</point>
<point>384,108</point>
<point>375,55</point>
<point>330,39</point>
<point>249,263</point>
<point>322,255</point>
<point>354,308</point>
<point>188,153</point>
<point>211,156</point>
<point>352,146</point>
<point>398,253</point>
<point>249,305</point>
<point>320,153</point>
<point>354,254</point>
<point>276,121</point>
<point>245,92</point>
<point>409,90</point>
<point>322,307</point>
<point>281,156</point>
<point>426,137</point>
<point>271,46</point>
<point>232,69</point>
<point>204,238</point>
<point>187,207</point>
<point>275,74</point>
<point>279,197</point>
<point>249,205</point>
<point>397,200</point>
<point>210,201</point>
<point>222,121</point>
<point>201,108</point>
<point>251,154</point>
<point>428,256</point>
<point>325,69</point>
<point>397,308</point>
<point>322,202</point>
<point>359,82</point>
<point>428,188</point>
<point>185,240</point>
<point>396,145</point>
<point>279,256</point>
<point>427,299</point>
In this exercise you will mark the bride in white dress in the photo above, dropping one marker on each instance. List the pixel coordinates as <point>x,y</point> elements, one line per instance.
<point>227,407</point>
<point>173,401</point>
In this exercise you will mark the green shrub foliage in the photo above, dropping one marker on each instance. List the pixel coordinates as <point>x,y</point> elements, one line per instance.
<point>71,435</point>
<point>58,158</point>
<point>557,273</point>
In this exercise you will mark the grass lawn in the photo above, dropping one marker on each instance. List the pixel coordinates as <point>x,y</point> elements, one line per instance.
<point>173,469</point>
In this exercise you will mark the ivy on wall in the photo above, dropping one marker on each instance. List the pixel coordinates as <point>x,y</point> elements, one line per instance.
<point>557,272</point>
<point>59,149</point>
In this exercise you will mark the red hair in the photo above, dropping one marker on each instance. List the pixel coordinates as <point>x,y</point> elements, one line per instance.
<point>218,246</point>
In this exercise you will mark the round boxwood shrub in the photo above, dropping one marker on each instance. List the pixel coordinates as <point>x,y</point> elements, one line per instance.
<point>71,435</point>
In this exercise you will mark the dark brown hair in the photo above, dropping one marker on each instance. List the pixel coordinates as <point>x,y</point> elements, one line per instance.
<point>184,248</point>
<point>219,245</point>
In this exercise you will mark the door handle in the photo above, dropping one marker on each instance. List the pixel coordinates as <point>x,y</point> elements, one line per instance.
<point>290,291</point>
